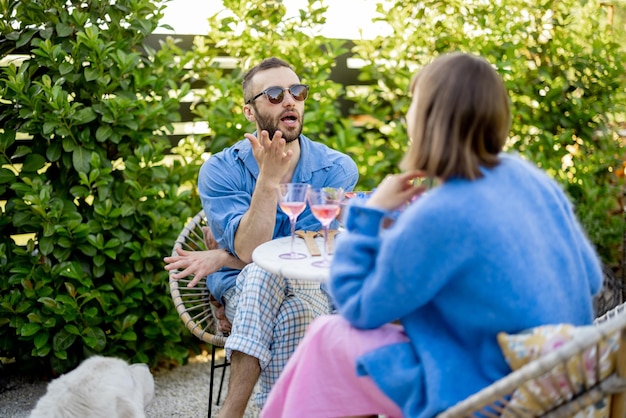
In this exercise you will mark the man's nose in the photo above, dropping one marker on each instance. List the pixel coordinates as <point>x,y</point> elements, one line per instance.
<point>289,101</point>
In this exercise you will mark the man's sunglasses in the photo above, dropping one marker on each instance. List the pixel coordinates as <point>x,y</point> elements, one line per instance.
<point>276,94</point>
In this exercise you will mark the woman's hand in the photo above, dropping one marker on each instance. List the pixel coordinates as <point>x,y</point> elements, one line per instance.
<point>395,191</point>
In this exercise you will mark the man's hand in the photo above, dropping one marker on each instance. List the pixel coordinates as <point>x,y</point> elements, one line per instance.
<point>201,263</point>
<point>270,155</point>
<point>197,263</point>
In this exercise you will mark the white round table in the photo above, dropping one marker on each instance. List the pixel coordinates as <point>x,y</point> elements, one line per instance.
<point>267,256</point>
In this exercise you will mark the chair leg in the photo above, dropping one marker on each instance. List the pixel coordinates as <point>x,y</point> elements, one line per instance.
<point>213,367</point>
<point>212,379</point>
<point>618,402</point>
<point>223,366</point>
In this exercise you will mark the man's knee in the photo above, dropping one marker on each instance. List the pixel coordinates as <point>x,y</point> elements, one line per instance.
<point>294,311</point>
<point>253,275</point>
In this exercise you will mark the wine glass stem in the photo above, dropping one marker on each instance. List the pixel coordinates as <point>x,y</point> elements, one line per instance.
<point>325,256</point>
<point>292,221</point>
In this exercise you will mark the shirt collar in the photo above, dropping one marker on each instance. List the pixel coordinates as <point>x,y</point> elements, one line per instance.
<point>315,159</point>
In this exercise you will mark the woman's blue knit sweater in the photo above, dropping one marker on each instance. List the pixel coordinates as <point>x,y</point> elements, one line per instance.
<point>465,261</point>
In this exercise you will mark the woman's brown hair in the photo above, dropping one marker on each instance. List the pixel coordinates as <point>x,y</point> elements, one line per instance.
<point>461,117</point>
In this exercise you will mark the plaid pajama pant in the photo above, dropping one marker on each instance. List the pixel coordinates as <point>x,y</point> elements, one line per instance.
<point>269,315</point>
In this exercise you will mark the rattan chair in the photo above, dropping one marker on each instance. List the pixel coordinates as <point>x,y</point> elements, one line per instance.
<point>192,304</point>
<point>494,399</point>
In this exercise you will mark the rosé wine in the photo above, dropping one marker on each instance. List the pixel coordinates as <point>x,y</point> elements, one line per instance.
<point>292,201</point>
<point>325,206</point>
<point>325,213</point>
<point>292,208</point>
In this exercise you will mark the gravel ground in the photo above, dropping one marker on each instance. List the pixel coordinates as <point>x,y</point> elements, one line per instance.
<point>180,392</point>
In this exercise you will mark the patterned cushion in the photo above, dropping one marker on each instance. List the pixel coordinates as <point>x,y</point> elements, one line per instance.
<point>564,381</point>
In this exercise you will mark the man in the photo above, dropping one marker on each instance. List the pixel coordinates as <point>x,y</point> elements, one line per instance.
<point>269,314</point>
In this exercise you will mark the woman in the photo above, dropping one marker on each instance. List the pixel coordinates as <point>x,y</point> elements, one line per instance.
<point>495,247</point>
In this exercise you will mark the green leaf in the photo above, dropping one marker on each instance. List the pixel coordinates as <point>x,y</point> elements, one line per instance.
<point>96,240</point>
<point>41,340</point>
<point>49,126</point>
<point>129,336</point>
<point>7,138</point>
<point>80,159</point>
<point>98,271</point>
<point>99,260</point>
<point>53,151</point>
<point>72,329</point>
<point>65,242</point>
<point>70,289</point>
<point>34,317</point>
<point>49,302</point>
<point>13,36</point>
<point>112,254</point>
<point>6,176</point>
<point>68,144</point>
<point>29,330</point>
<point>21,151</point>
<point>24,37</point>
<point>46,245</point>
<point>33,162</point>
<point>94,338</point>
<point>50,322</point>
<point>103,132</point>
<point>85,115</point>
<point>72,270</point>
<point>64,30</point>
<point>43,351</point>
<point>66,68</point>
<point>46,33</point>
<point>104,79</point>
<point>129,321</point>
<point>91,74</point>
<point>91,312</point>
<point>63,340</point>
<point>62,355</point>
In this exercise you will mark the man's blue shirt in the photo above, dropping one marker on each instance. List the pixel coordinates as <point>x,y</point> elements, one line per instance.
<point>227,180</point>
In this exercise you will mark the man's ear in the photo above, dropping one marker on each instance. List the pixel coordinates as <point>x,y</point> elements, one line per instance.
<point>248,112</point>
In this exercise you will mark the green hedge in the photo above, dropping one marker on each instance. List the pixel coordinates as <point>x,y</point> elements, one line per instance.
<point>103,197</point>
<point>90,187</point>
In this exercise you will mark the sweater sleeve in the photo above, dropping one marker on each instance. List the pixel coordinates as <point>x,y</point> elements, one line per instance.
<point>373,273</point>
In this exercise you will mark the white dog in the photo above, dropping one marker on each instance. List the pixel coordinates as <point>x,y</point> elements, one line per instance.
<point>101,387</point>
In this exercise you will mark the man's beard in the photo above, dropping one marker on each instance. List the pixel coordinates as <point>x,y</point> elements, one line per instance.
<point>271,126</point>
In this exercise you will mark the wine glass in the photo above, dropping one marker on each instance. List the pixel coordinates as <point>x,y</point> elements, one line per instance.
<point>325,204</point>
<point>347,196</point>
<point>292,201</point>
